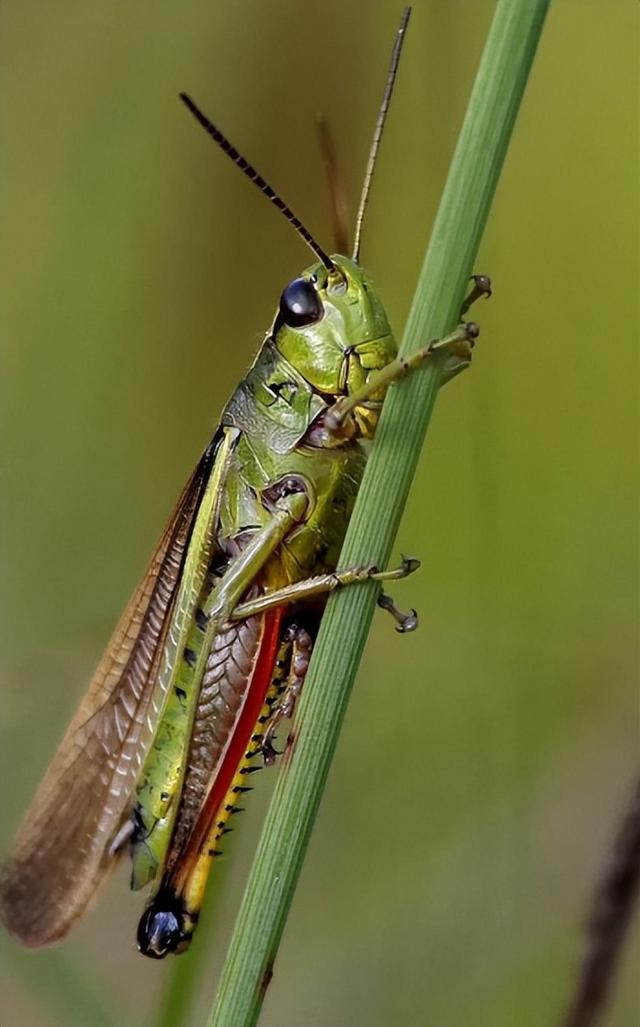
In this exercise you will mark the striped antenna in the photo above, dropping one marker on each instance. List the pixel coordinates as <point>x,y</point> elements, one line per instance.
<point>257,179</point>
<point>377,133</point>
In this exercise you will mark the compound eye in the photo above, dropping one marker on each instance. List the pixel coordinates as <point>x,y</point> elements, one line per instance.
<point>300,304</point>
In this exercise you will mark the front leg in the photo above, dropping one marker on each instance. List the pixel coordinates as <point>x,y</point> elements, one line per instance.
<point>458,344</point>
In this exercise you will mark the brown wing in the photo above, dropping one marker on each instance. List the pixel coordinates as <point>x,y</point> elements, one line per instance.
<point>62,849</point>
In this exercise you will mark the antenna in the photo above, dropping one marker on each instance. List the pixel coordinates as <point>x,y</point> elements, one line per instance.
<point>257,179</point>
<point>377,132</point>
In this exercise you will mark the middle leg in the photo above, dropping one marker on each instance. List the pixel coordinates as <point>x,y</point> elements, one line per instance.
<point>326,583</point>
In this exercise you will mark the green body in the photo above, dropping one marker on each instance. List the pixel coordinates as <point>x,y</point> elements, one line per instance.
<point>271,429</point>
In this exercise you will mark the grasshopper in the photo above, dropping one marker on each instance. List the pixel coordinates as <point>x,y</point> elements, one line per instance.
<point>212,649</point>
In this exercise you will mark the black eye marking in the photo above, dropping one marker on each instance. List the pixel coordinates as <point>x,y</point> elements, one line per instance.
<point>286,390</point>
<point>283,390</point>
<point>300,304</point>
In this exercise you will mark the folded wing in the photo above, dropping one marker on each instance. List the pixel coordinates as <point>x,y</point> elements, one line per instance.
<point>62,850</point>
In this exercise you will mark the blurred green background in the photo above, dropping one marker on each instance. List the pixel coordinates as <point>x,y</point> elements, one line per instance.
<point>486,759</point>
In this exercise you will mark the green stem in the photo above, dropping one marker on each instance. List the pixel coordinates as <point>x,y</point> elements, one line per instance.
<point>467,197</point>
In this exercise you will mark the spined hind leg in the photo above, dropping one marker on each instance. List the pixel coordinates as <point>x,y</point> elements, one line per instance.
<point>300,644</point>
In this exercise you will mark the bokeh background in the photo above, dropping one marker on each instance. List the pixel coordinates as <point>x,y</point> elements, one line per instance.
<point>486,759</point>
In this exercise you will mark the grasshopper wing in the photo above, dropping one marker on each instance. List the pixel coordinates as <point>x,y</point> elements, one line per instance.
<point>63,847</point>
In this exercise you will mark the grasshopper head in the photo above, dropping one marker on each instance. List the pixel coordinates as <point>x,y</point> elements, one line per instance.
<point>332,327</point>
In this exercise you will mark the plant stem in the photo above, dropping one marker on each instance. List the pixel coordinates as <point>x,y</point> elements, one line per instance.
<point>467,197</point>
<point>609,919</point>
